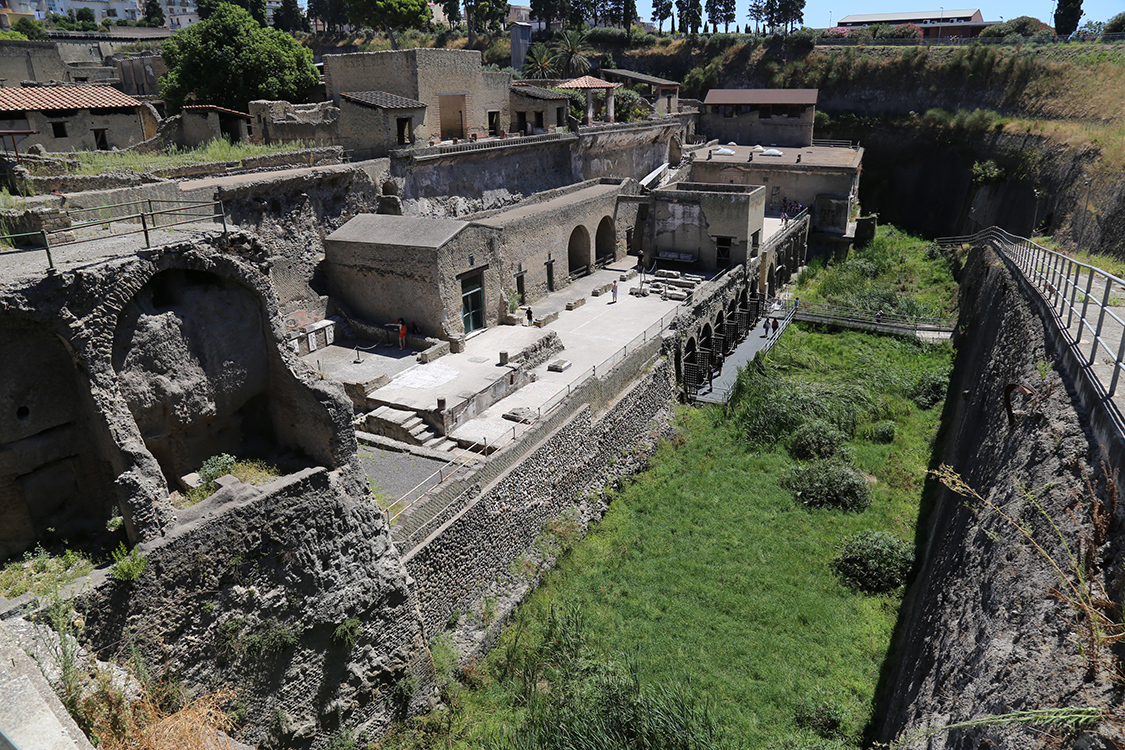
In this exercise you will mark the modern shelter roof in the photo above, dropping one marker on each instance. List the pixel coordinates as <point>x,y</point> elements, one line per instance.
<point>537,92</point>
<point>641,77</point>
<point>46,98</point>
<point>213,108</point>
<point>588,82</point>
<point>761,96</point>
<point>382,100</point>
<point>909,16</point>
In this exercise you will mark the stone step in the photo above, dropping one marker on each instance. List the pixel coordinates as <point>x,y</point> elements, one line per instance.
<point>412,422</point>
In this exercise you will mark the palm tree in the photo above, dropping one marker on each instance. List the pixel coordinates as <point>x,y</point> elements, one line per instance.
<point>541,62</point>
<point>571,49</point>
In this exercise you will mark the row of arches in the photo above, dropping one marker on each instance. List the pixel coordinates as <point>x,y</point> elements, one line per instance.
<point>579,261</point>
<point>720,332</point>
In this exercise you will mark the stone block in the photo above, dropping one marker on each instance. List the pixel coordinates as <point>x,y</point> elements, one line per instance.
<point>546,319</point>
<point>575,304</point>
<point>522,414</point>
<point>559,365</point>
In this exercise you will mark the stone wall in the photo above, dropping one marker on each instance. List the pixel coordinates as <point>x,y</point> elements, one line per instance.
<point>628,149</point>
<point>293,560</point>
<point>745,127</point>
<point>529,483</point>
<point>31,61</point>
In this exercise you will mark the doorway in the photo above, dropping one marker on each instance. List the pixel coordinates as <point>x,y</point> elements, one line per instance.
<point>451,115</point>
<point>101,143</point>
<point>472,302</point>
<point>520,291</point>
<point>405,130</point>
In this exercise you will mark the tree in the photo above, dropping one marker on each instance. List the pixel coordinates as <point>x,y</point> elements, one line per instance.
<point>1067,15</point>
<point>713,10</point>
<point>661,12</point>
<point>690,13</point>
<point>154,13</point>
<point>728,13</point>
<point>628,15</point>
<point>256,8</point>
<point>229,60</point>
<point>84,15</point>
<point>31,28</point>
<point>332,13</point>
<point>572,49</point>
<point>757,14</point>
<point>289,17</point>
<point>452,11</point>
<point>541,62</point>
<point>1115,25</point>
<point>392,15</point>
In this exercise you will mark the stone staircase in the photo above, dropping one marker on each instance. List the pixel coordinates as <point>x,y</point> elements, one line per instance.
<point>407,427</point>
<point>669,285</point>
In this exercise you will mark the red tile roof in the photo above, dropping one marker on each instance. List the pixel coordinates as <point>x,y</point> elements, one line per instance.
<point>46,98</point>
<point>382,100</point>
<point>588,82</point>
<point>761,96</point>
<point>213,108</point>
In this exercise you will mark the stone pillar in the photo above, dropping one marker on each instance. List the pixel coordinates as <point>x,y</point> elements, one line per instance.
<point>589,106</point>
<point>609,105</point>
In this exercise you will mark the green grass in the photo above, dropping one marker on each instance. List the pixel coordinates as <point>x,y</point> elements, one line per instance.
<point>40,573</point>
<point>97,162</point>
<point>896,273</point>
<point>247,472</point>
<point>709,576</point>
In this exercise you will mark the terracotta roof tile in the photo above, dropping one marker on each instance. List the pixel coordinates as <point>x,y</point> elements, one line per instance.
<point>46,98</point>
<point>588,82</point>
<point>382,100</point>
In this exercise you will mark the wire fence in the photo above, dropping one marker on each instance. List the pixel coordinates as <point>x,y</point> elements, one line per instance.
<point>421,492</point>
<point>150,220</point>
<point>840,314</point>
<point>1081,295</point>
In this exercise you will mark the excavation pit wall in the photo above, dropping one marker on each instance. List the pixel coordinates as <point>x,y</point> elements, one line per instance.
<point>479,524</point>
<point>980,633</point>
<point>247,592</point>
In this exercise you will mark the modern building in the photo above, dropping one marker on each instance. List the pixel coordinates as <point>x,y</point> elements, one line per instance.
<point>935,24</point>
<point>774,117</point>
<point>75,118</point>
<point>179,14</point>
<point>113,10</point>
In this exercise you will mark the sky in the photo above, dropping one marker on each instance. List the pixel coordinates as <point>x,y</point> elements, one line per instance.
<point>818,12</point>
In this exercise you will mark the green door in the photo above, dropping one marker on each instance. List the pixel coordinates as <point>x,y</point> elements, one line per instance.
<point>472,302</point>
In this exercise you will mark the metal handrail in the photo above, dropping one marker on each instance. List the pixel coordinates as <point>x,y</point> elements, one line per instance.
<point>842,312</point>
<point>1070,287</point>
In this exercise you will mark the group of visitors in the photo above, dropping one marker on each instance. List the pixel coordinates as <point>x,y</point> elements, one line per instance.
<point>769,327</point>
<point>716,369</point>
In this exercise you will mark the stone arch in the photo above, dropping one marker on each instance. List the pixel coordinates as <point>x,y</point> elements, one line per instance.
<point>706,343</point>
<point>722,339</point>
<point>690,351</point>
<point>53,479</point>
<point>675,151</point>
<point>769,280</point>
<point>578,252</point>
<point>605,240</point>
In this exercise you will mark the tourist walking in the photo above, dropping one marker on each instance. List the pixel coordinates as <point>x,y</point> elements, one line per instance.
<point>775,326</point>
<point>765,327</point>
<point>401,333</point>
<point>615,292</point>
<point>530,317</point>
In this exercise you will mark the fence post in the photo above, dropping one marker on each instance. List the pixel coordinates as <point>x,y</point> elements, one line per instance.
<point>1117,365</point>
<point>1073,293</point>
<point>144,228</point>
<point>223,216</point>
<point>1085,304</point>
<point>47,247</point>
<point>1101,318</point>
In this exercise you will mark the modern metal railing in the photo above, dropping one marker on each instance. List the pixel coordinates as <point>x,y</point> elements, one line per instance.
<point>853,316</point>
<point>1079,293</point>
<point>149,220</point>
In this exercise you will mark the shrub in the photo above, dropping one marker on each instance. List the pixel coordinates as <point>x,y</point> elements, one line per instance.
<point>215,467</point>
<point>829,484</point>
<point>270,637</point>
<point>1115,25</point>
<point>883,432</point>
<point>839,32</point>
<point>803,38</point>
<point>930,389</point>
<point>873,561</point>
<point>816,439</point>
<point>128,564</point>
<point>347,634</point>
<point>987,172</point>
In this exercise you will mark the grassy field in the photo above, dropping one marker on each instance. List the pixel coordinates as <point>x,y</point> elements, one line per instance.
<point>897,273</point>
<point>708,577</point>
<point>97,162</point>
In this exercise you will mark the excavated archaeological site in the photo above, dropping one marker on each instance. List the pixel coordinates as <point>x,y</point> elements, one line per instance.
<point>491,332</point>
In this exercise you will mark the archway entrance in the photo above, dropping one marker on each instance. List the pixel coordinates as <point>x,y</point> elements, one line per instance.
<point>578,252</point>
<point>605,241</point>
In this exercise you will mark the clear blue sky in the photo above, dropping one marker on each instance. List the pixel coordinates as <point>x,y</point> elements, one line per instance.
<point>817,11</point>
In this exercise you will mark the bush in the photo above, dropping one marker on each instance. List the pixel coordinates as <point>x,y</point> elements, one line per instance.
<point>874,562</point>
<point>829,484</point>
<point>883,432</point>
<point>347,634</point>
<point>803,38</point>
<point>987,172</point>
<point>816,439</point>
<point>839,32</point>
<point>930,389</point>
<point>128,565</point>
<point>215,467</point>
<point>1115,25</point>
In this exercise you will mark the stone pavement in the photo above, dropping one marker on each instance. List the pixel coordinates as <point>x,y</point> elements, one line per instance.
<point>396,474</point>
<point>743,354</point>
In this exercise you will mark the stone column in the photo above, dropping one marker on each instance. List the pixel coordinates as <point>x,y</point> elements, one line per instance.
<point>609,105</point>
<point>589,106</point>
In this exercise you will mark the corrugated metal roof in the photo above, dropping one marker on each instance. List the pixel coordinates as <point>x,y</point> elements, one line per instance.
<point>588,82</point>
<point>382,100</point>
<point>761,96</point>
<point>634,76</point>
<point>535,92</point>
<point>213,108</point>
<point>47,98</point>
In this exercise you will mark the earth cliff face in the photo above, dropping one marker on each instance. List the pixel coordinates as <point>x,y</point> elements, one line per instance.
<point>982,633</point>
